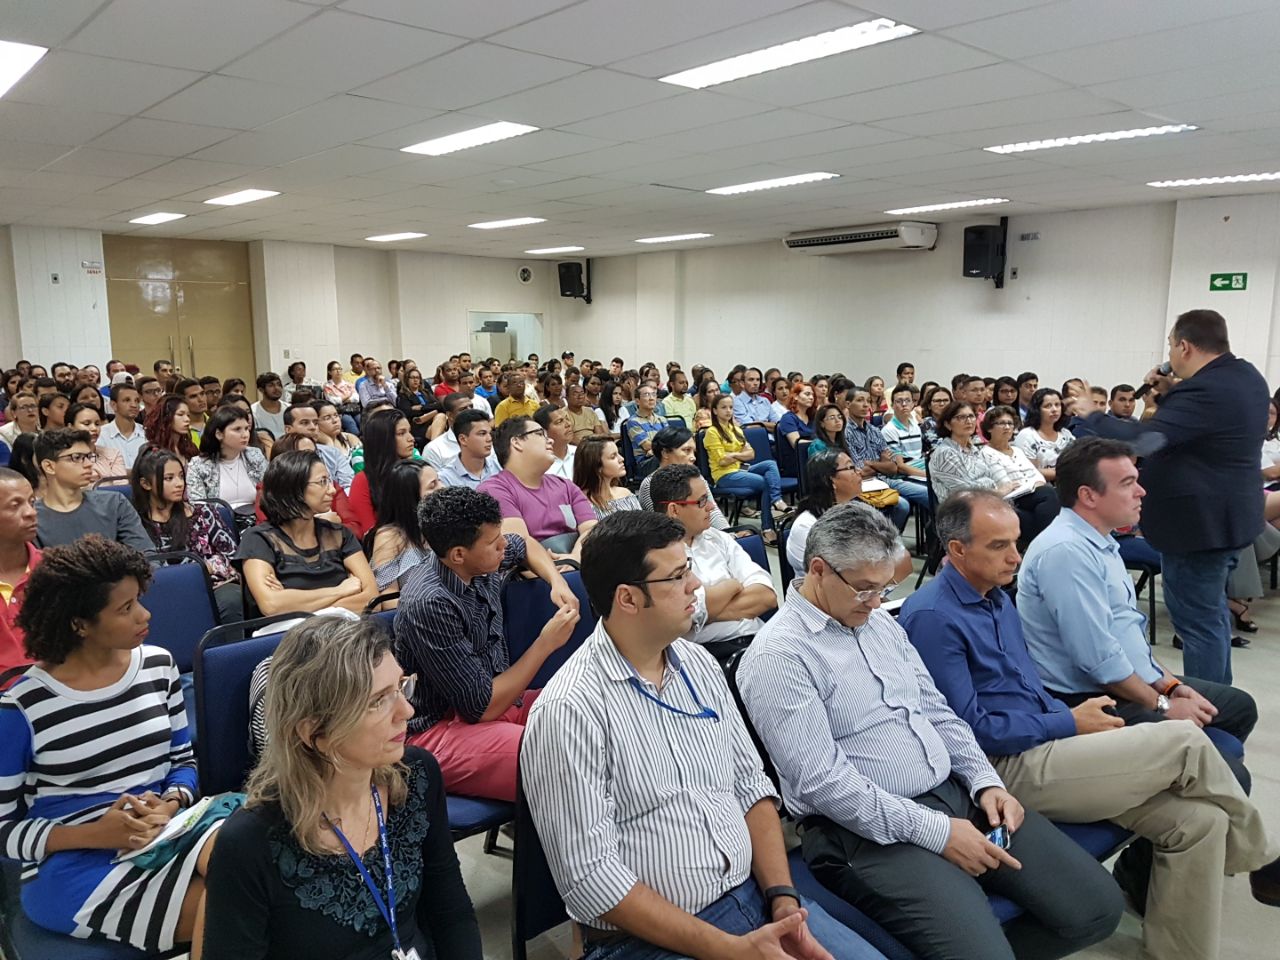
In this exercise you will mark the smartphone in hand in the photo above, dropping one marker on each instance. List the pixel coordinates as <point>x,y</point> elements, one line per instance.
<point>1000,837</point>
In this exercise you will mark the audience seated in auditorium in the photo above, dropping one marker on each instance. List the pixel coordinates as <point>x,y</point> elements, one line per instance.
<point>555,420</point>
<point>374,385</point>
<point>610,782</point>
<point>398,545</point>
<point>676,445</point>
<point>337,388</point>
<point>679,402</point>
<point>901,431</point>
<point>599,471</point>
<point>472,702</point>
<point>1164,781</point>
<point>535,503</point>
<point>302,558</point>
<point>109,462</point>
<point>158,490</point>
<point>475,462</point>
<point>268,412</point>
<point>18,557</point>
<point>828,430</point>
<point>957,461</point>
<point>735,591</point>
<point>613,408</point>
<point>418,404</point>
<point>1033,497</point>
<point>1044,435</point>
<point>24,416</point>
<point>894,792</point>
<point>298,380</point>
<point>68,509</point>
<point>728,454</point>
<point>798,422</point>
<point>708,393</point>
<point>521,401</point>
<point>332,428</point>
<point>228,468</point>
<point>336,780</point>
<point>583,419</point>
<point>388,439</point>
<point>88,395</point>
<point>77,799</point>
<point>192,392</point>
<point>304,419</point>
<point>749,407</point>
<point>168,426</point>
<point>1122,402</point>
<point>832,479</point>
<point>53,410</point>
<point>124,433</point>
<point>444,445</point>
<point>643,424</point>
<point>934,401</point>
<point>871,453</point>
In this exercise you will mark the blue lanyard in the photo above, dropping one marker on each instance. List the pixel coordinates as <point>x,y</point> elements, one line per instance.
<point>387,914</point>
<point>706,712</point>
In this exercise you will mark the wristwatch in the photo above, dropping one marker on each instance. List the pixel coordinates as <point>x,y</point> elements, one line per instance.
<point>773,893</point>
<point>1162,703</point>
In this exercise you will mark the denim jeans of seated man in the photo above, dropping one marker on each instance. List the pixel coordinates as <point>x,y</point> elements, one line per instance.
<point>739,912</point>
<point>1195,591</point>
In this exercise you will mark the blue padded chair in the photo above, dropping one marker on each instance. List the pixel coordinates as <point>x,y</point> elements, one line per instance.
<point>536,904</point>
<point>181,602</point>
<point>527,607</point>
<point>788,458</point>
<point>1138,555</point>
<point>627,451</point>
<point>786,573</point>
<point>754,545</point>
<point>758,437</point>
<point>730,503</point>
<point>802,460</point>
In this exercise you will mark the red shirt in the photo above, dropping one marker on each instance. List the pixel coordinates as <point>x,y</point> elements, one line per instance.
<point>13,650</point>
<point>442,390</point>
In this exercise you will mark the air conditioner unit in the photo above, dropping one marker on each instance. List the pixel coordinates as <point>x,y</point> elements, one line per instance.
<point>903,235</point>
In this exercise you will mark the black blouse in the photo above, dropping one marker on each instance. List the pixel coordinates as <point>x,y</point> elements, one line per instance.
<point>299,568</point>
<point>268,899</point>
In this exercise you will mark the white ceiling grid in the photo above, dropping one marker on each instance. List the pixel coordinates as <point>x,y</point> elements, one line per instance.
<point>147,105</point>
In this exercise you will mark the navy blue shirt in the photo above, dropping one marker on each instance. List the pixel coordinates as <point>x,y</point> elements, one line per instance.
<point>976,654</point>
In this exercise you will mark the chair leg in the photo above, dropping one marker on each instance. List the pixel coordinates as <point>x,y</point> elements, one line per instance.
<point>491,844</point>
<point>1275,571</point>
<point>919,529</point>
<point>1151,610</point>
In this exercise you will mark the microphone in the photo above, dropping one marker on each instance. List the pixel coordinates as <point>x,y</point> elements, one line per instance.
<point>1165,369</point>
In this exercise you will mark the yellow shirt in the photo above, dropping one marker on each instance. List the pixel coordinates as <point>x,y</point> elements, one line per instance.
<point>717,448</point>
<point>350,376</point>
<point>686,408</point>
<point>511,407</point>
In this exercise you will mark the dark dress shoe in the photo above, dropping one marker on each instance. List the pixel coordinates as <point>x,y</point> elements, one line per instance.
<point>1265,882</point>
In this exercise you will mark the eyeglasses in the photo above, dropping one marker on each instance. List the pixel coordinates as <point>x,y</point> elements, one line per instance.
<point>1003,423</point>
<point>674,578</point>
<point>965,416</point>
<point>322,482</point>
<point>702,501</point>
<point>903,402</point>
<point>26,408</point>
<point>539,432</point>
<point>79,458</point>
<point>845,469</point>
<point>862,596</point>
<point>406,688</point>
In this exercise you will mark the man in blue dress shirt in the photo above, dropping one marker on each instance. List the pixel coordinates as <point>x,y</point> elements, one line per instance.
<point>749,407</point>
<point>1163,781</point>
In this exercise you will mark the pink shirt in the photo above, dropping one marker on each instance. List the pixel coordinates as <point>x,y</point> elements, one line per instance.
<point>554,508</point>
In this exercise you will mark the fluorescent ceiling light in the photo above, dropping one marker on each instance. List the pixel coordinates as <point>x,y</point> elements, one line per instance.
<point>1210,181</point>
<point>153,218</point>
<point>864,34</point>
<point>556,250</point>
<point>958,205</point>
<point>675,237</point>
<point>796,180</point>
<point>15,60</point>
<point>243,196</point>
<point>1091,138</point>
<point>513,222</point>
<point>392,237</point>
<point>489,133</point>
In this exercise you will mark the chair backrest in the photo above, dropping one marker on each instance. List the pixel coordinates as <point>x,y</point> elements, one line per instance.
<point>225,661</point>
<point>786,572</point>
<point>802,462</point>
<point>700,455</point>
<point>788,456</point>
<point>181,603</point>
<point>627,451</point>
<point>527,607</point>
<point>536,903</point>
<point>120,483</point>
<point>123,489</point>
<point>754,545</point>
<point>758,437</point>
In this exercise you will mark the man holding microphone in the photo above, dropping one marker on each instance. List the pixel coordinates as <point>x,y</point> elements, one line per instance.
<point>1200,471</point>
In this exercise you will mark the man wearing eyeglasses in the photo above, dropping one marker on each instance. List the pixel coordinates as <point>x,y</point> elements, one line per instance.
<point>735,591</point>
<point>69,509</point>
<point>899,805</point>
<point>658,822</point>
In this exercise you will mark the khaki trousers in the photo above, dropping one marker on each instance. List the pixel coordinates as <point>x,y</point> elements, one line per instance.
<point>1168,783</point>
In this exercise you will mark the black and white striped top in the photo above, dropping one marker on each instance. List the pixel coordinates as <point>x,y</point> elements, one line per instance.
<point>854,724</point>
<point>623,790</point>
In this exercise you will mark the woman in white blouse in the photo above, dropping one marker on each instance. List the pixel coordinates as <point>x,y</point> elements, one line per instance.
<point>1034,500</point>
<point>227,468</point>
<point>1045,435</point>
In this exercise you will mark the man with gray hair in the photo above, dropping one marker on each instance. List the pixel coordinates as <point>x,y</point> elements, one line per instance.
<point>1164,781</point>
<point>901,812</point>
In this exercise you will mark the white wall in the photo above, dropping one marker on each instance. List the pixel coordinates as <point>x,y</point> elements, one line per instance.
<point>10,327</point>
<point>67,320</point>
<point>295,305</point>
<point>367,306</point>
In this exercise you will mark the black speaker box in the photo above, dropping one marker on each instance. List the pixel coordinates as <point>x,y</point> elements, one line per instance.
<point>982,253</point>
<point>571,279</point>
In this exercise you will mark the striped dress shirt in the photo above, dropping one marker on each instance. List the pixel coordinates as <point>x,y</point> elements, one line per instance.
<point>450,634</point>
<point>624,791</point>
<point>854,724</point>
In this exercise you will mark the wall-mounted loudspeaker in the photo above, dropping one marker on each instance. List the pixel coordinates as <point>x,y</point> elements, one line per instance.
<point>571,279</point>
<point>984,251</point>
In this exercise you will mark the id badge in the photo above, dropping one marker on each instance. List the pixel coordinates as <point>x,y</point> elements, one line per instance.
<point>410,954</point>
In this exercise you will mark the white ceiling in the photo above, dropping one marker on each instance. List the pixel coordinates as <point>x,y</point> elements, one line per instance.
<point>147,105</point>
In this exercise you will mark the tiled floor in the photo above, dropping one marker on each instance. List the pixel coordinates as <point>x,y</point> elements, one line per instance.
<point>1250,930</point>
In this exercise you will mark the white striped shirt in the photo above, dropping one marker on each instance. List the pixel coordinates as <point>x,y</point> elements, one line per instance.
<point>624,791</point>
<point>854,724</point>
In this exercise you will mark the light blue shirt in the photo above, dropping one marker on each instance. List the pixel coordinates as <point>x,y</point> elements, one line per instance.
<point>1079,610</point>
<point>339,465</point>
<point>454,474</point>
<point>749,409</point>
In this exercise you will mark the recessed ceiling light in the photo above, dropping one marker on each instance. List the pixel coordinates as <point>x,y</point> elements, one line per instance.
<point>243,196</point>
<point>15,60</point>
<point>556,250</point>
<point>513,222</point>
<point>479,136</point>
<point>1091,138</point>
<point>864,34</point>
<point>958,205</point>
<point>675,237</point>
<point>796,180</point>
<point>154,218</point>
<point>392,237</point>
<point>1210,181</point>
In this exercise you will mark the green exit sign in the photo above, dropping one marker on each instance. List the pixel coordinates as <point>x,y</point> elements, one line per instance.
<point>1228,281</point>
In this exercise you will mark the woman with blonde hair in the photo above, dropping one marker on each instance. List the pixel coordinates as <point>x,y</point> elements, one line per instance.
<point>343,847</point>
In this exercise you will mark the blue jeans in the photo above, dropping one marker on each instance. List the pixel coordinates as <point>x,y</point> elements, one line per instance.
<point>739,912</point>
<point>1195,591</point>
<point>914,492</point>
<point>760,480</point>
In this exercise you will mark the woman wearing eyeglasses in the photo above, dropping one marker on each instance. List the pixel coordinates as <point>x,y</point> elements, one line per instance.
<point>956,461</point>
<point>832,479</point>
<point>1035,500</point>
<point>299,560</point>
<point>343,847</point>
